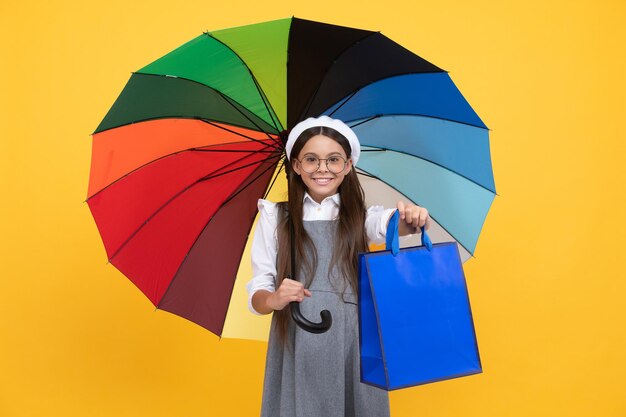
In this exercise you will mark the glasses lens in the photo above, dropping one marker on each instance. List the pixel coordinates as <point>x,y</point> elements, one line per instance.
<point>310,164</point>
<point>334,164</point>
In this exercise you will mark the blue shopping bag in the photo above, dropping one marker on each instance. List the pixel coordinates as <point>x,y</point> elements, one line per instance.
<point>415,321</point>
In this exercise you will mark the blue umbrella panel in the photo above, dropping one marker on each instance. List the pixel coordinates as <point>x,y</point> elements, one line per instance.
<point>422,141</point>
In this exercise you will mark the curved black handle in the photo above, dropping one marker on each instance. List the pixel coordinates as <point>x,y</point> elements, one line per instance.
<point>296,314</point>
<point>309,326</point>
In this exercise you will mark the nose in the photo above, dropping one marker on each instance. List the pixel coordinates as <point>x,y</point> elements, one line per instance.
<point>319,168</point>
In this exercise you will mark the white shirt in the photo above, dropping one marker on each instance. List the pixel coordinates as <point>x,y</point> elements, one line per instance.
<point>265,242</point>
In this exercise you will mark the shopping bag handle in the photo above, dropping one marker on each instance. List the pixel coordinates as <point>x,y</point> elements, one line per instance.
<point>392,241</point>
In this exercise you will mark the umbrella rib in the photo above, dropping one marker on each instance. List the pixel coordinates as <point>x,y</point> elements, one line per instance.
<point>280,168</point>
<point>420,115</point>
<point>349,97</point>
<point>211,176</point>
<point>352,94</point>
<point>368,174</point>
<point>240,134</point>
<point>250,183</point>
<point>162,157</point>
<point>206,177</point>
<point>317,89</point>
<point>232,151</point>
<point>377,149</point>
<point>204,228</point>
<point>265,101</point>
<point>244,247</point>
<point>362,121</point>
<point>173,116</point>
<point>259,90</point>
<point>226,98</point>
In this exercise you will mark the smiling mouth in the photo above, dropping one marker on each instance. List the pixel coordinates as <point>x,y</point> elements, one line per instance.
<point>322,181</point>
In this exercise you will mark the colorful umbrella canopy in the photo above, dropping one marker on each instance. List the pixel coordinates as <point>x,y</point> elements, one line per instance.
<point>196,137</point>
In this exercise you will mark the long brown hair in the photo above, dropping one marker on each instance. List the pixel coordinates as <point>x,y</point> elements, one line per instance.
<point>351,238</point>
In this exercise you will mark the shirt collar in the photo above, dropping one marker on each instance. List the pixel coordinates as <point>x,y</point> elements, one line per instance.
<point>333,199</point>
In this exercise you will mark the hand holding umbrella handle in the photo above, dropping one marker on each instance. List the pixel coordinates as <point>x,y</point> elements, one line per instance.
<point>309,326</point>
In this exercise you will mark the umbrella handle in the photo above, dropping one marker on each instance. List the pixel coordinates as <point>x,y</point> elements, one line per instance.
<point>309,326</point>
<point>296,314</point>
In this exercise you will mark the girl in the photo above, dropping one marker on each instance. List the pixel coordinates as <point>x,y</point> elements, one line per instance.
<point>307,374</point>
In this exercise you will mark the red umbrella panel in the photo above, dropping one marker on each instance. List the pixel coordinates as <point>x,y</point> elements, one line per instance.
<point>176,186</point>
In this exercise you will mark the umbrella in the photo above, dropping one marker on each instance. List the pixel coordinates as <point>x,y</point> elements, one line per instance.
<point>197,136</point>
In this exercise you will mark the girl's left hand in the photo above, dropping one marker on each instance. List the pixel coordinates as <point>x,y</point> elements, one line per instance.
<point>413,217</point>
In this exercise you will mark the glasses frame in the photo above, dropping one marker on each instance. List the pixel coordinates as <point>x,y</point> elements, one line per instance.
<point>319,164</point>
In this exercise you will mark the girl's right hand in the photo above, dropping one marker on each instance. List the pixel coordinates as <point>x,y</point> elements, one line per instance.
<point>288,291</point>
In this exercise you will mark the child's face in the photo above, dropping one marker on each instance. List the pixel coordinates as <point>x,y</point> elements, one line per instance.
<point>321,183</point>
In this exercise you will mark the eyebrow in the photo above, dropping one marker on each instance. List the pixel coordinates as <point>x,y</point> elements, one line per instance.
<point>330,154</point>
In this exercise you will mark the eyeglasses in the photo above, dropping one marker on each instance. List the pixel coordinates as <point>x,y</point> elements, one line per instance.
<point>311,164</point>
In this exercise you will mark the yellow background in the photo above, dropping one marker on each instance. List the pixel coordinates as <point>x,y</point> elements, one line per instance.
<point>547,285</point>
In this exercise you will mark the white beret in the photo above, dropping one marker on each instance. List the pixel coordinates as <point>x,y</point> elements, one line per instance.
<point>325,121</point>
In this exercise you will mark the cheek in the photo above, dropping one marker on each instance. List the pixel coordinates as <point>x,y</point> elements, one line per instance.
<point>340,180</point>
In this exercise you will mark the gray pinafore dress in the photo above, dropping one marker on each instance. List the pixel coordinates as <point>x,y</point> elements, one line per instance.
<point>318,375</point>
